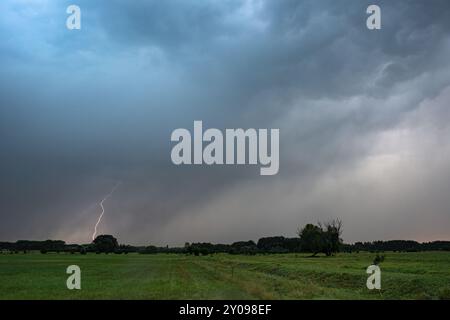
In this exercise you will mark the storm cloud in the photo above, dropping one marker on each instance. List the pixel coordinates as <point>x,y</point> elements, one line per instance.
<point>363,116</point>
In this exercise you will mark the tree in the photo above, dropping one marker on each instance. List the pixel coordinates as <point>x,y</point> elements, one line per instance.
<point>271,244</point>
<point>311,239</point>
<point>149,250</point>
<point>244,247</point>
<point>323,238</point>
<point>105,243</point>
<point>331,236</point>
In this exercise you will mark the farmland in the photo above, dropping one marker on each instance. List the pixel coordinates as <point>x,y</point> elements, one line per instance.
<point>421,275</point>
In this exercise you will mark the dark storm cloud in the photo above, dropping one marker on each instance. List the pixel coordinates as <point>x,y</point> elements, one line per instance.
<point>80,110</point>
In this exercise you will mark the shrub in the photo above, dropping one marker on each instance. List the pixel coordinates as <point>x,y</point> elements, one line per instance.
<point>378,259</point>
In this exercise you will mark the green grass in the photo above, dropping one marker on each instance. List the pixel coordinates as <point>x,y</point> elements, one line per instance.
<point>423,275</point>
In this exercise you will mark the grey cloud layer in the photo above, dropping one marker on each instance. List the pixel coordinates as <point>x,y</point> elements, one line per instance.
<point>80,110</point>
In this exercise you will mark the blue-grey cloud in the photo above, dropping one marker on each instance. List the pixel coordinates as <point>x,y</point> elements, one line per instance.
<point>80,110</point>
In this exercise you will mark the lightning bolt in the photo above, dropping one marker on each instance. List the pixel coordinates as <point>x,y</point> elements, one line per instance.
<point>103,209</point>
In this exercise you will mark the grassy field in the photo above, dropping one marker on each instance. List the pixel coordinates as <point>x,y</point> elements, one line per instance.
<point>292,276</point>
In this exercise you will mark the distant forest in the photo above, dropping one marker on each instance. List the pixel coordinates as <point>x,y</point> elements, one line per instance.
<point>321,238</point>
<point>269,245</point>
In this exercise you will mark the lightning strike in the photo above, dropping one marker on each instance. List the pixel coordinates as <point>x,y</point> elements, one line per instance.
<point>103,209</point>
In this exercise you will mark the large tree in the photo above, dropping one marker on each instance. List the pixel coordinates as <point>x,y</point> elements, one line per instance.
<point>311,239</point>
<point>105,243</point>
<point>331,236</point>
<point>323,238</point>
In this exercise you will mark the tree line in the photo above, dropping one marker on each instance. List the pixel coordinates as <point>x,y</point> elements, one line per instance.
<point>322,238</point>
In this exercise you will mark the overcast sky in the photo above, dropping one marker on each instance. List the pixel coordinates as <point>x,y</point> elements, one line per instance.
<point>364,118</point>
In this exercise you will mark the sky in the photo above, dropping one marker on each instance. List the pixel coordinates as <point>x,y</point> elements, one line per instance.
<point>364,118</point>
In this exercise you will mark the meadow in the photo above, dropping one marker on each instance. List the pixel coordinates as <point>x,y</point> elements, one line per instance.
<point>422,275</point>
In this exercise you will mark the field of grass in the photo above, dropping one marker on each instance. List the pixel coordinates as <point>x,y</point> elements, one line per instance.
<point>424,275</point>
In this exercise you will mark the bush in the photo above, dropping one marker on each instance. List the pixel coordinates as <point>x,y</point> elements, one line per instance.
<point>378,259</point>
